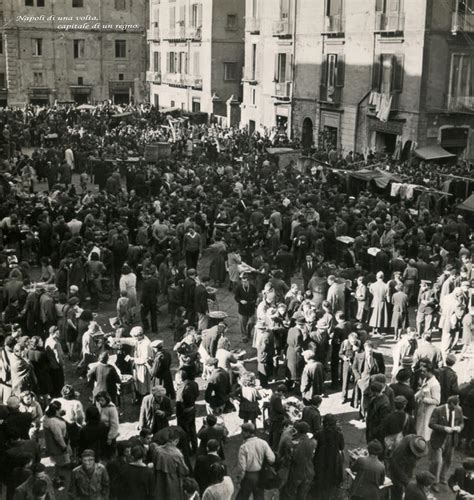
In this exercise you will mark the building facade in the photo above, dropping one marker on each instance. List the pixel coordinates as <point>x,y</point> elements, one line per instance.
<point>75,50</point>
<point>378,74</point>
<point>196,52</point>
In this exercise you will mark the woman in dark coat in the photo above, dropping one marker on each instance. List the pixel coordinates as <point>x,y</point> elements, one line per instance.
<point>93,436</point>
<point>294,358</point>
<point>328,459</point>
<point>217,270</point>
<point>39,359</point>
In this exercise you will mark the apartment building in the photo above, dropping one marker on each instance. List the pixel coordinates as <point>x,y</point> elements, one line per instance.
<point>196,56</point>
<point>84,51</point>
<point>377,74</point>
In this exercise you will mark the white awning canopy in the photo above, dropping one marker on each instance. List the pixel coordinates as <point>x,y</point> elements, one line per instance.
<point>433,153</point>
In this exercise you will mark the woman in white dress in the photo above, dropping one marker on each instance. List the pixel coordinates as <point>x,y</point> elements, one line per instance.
<point>427,399</point>
<point>128,283</point>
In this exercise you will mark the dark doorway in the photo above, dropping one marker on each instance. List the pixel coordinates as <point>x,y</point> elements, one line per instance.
<point>307,137</point>
<point>251,126</point>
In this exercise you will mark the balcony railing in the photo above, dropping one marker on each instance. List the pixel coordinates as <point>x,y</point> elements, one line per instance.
<point>389,23</point>
<point>248,75</point>
<point>192,81</point>
<point>282,28</point>
<point>194,33</point>
<point>178,33</point>
<point>153,34</point>
<point>283,90</point>
<point>153,76</point>
<point>462,22</point>
<point>461,103</point>
<point>182,80</point>
<point>330,95</point>
<point>252,24</point>
<point>172,78</point>
<point>334,24</point>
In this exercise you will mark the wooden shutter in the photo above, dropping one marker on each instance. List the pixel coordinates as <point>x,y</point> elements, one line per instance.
<point>340,70</point>
<point>196,68</point>
<point>397,75</point>
<point>289,68</point>
<point>376,72</point>
<point>379,4</point>
<point>276,75</point>
<point>199,16</point>
<point>324,71</point>
<point>172,17</point>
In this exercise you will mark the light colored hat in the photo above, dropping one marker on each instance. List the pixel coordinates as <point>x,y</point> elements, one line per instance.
<point>136,331</point>
<point>158,390</point>
<point>156,343</point>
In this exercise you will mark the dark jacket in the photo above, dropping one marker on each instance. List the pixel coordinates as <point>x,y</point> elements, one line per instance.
<point>414,492</point>
<point>301,466</point>
<point>448,381</point>
<point>405,390</point>
<point>370,475</point>
<point>106,379</point>
<point>150,291</point>
<point>378,409</point>
<point>250,295</point>
<point>148,416</point>
<point>202,470</point>
<point>439,420</point>
<point>218,388</point>
<point>200,299</point>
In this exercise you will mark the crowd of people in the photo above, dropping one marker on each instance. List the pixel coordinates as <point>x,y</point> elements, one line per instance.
<point>321,273</point>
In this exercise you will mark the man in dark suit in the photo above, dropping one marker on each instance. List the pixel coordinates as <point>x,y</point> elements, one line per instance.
<point>307,269</point>
<point>218,388</point>
<point>365,365</point>
<point>447,422</point>
<point>377,409</point>
<point>149,302</point>
<point>448,379</point>
<point>402,388</point>
<point>246,296</point>
<point>202,469</point>
<point>189,288</point>
<point>285,261</point>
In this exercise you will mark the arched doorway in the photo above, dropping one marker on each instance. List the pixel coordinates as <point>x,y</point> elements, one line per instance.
<point>307,137</point>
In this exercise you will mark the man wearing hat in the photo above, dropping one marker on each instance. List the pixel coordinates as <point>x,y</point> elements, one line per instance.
<point>47,310</point>
<point>189,289</point>
<point>26,490</point>
<point>397,424</point>
<point>294,351</point>
<point>246,296</point>
<point>161,368</point>
<point>253,453</point>
<point>427,304</point>
<point>301,472</point>
<point>403,461</point>
<point>447,422</point>
<point>90,479</point>
<point>369,473</point>
<point>379,291</point>
<point>155,410</point>
<point>142,357</point>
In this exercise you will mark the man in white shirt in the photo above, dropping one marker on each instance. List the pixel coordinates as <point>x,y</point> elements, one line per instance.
<point>253,453</point>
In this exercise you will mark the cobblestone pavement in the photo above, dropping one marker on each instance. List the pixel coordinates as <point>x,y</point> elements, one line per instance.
<point>353,428</point>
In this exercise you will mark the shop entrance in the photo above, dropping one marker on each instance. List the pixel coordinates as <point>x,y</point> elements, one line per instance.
<point>385,142</point>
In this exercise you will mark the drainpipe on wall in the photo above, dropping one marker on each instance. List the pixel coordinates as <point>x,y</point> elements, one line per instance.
<point>293,64</point>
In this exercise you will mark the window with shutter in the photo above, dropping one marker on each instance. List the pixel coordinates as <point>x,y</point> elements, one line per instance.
<point>254,61</point>
<point>324,69</point>
<point>196,64</point>
<point>199,18</point>
<point>182,15</point>
<point>376,69</point>
<point>398,73</point>
<point>340,71</point>
<point>172,17</point>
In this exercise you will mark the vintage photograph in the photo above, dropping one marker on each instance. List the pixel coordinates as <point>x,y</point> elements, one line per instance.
<point>236,249</point>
